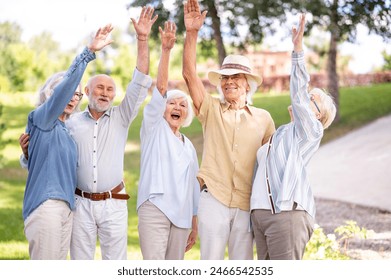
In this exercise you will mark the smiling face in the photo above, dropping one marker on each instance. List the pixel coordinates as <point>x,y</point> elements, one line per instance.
<point>176,112</point>
<point>72,105</point>
<point>235,88</point>
<point>101,92</point>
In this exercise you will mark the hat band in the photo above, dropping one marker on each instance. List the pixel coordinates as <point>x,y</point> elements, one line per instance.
<point>236,66</point>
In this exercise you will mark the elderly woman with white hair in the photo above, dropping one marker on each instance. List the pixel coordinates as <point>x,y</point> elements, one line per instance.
<point>49,201</point>
<point>282,202</point>
<point>168,190</point>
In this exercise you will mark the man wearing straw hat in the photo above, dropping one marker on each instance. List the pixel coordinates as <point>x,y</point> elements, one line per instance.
<point>233,131</point>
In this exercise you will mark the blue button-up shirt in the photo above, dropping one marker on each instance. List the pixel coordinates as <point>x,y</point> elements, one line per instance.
<point>52,151</point>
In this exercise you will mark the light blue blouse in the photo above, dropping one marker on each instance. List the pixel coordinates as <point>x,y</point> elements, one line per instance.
<point>168,168</point>
<point>292,147</point>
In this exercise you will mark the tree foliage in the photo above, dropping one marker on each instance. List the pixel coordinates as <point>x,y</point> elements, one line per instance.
<point>340,19</point>
<point>387,61</point>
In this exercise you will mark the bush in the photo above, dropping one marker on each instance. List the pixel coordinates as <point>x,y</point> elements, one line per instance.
<point>330,246</point>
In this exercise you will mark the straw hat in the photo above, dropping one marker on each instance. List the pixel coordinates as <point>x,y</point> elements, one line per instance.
<point>233,64</point>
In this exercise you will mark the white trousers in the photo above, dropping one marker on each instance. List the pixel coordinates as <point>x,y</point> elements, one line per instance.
<point>159,238</point>
<point>48,230</point>
<point>219,226</point>
<point>106,220</point>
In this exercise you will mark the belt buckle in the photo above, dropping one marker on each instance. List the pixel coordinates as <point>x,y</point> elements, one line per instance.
<point>95,196</point>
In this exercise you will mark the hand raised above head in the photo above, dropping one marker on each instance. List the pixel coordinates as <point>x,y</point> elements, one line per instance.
<point>144,24</point>
<point>193,18</point>
<point>298,33</point>
<point>168,35</point>
<point>101,38</point>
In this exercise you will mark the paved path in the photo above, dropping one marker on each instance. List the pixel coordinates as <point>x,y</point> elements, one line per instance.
<point>356,167</point>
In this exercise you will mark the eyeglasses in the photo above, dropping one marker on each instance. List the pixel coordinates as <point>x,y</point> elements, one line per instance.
<point>316,105</point>
<point>78,95</point>
<point>235,78</point>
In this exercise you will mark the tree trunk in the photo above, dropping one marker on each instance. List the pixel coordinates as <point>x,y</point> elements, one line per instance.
<point>216,24</point>
<point>332,75</point>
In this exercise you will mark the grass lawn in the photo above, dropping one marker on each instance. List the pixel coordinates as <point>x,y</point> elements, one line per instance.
<point>358,106</point>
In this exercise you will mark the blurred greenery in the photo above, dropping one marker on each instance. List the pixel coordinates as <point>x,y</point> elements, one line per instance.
<point>359,106</point>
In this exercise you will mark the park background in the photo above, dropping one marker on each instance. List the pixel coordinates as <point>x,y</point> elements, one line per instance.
<point>51,43</point>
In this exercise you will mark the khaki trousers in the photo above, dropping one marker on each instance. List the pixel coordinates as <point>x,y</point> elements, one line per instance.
<point>159,238</point>
<point>48,230</point>
<point>219,226</point>
<point>281,236</point>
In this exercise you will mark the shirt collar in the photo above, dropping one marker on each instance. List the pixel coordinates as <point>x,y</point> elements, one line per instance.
<point>88,113</point>
<point>226,105</point>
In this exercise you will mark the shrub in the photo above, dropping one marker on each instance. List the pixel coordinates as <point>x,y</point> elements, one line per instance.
<point>333,246</point>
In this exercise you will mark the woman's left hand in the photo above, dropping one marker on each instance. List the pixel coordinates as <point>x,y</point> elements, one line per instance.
<point>191,240</point>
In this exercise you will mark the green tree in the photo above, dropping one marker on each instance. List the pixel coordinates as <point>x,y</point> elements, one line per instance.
<point>340,20</point>
<point>2,141</point>
<point>387,61</point>
<point>10,34</point>
<point>47,59</point>
<point>239,22</point>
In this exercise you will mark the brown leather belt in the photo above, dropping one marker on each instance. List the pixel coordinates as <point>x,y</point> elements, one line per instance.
<point>114,193</point>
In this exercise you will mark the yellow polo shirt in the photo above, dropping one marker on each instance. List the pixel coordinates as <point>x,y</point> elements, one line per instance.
<point>231,140</point>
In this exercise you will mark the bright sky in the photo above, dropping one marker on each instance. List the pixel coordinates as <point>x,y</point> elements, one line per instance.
<point>72,20</point>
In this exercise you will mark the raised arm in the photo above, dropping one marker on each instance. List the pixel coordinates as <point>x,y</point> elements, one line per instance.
<point>297,35</point>
<point>304,118</point>
<point>143,29</point>
<point>46,114</point>
<point>193,20</point>
<point>167,37</point>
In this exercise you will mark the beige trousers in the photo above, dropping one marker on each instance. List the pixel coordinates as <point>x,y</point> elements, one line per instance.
<point>48,230</point>
<point>281,236</point>
<point>159,238</point>
<point>219,226</point>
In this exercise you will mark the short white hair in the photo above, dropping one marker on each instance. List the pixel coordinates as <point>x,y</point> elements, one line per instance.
<point>46,91</point>
<point>176,93</point>
<point>327,107</point>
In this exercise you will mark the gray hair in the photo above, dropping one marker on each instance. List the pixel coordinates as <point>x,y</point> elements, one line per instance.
<point>175,93</point>
<point>249,97</point>
<point>46,91</point>
<point>327,107</point>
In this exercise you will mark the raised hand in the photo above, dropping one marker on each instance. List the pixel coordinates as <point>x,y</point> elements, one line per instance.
<point>101,38</point>
<point>168,35</point>
<point>297,34</point>
<point>193,18</point>
<point>145,22</point>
